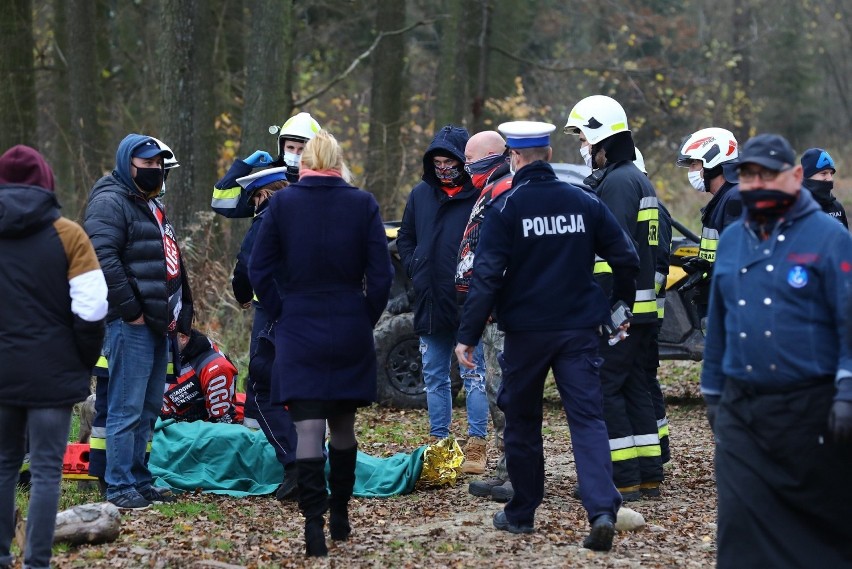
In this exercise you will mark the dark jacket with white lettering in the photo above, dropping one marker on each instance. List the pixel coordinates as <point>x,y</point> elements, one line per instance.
<point>432,228</point>
<point>777,307</point>
<point>535,258</point>
<point>630,196</point>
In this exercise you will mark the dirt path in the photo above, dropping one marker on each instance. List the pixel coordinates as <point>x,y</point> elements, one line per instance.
<point>434,528</point>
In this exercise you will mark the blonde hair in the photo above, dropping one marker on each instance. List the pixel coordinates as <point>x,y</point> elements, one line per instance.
<point>322,152</point>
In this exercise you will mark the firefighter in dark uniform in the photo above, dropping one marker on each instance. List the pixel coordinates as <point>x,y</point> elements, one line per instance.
<point>652,357</point>
<point>233,201</point>
<point>777,375</point>
<point>534,263</point>
<point>601,123</point>
<point>711,156</point>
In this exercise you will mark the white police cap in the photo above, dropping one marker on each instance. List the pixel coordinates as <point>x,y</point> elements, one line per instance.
<point>526,134</point>
<point>262,178</point>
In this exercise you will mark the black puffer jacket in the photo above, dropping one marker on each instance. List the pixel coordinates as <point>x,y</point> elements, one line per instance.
<point>129,244</point>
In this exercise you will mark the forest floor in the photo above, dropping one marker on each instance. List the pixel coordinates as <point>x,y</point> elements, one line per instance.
<point>440,528</point>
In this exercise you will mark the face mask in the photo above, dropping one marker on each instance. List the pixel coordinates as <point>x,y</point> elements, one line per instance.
<point>447,175</point>
<point>292,160</point>
<point>586,153</point>
<point>767,203</point>
<point>696,179</point>
<point>479,170</point>
<point>821,189</point>
<point>149,180</point>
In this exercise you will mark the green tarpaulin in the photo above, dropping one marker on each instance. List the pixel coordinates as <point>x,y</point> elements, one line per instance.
<point>236,461</point>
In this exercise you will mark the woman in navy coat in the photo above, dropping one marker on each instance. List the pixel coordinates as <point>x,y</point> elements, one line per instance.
<point>321,268</point>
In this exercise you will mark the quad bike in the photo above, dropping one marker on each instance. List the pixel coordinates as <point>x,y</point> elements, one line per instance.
<point>400,377</point>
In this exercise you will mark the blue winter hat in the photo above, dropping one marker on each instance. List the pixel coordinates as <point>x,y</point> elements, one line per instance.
<point>816,160</point>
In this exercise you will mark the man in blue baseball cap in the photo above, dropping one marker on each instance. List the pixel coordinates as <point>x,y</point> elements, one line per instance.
<point>534,263</point>
<point>818,170</point>
<point>149,299</point>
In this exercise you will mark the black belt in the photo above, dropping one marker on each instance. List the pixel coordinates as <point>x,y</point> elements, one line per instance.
<point>764,389</point>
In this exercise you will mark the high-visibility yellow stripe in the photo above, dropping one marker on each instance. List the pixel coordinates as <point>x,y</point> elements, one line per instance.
<point>645,307</point>
<point>624,454</point>
<point>647,451</point>
<point>663,431</point>
<point>148,447</point>
<point>226,194</point>
<point>602,267</point>
<point>648,215</point>
<point>102,363</point>
<point>96,443</point>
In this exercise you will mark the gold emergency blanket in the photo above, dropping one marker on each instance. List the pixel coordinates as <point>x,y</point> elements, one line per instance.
<point>441,464</point>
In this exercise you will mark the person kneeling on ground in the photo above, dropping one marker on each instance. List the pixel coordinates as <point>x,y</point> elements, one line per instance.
<point>204,390</point>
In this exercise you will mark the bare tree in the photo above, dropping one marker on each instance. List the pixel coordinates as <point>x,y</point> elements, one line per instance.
<point>384,154</point>
<point>269,71</point>
<point>86,139</point>
<point>17,76</point>
<point>187,106</point>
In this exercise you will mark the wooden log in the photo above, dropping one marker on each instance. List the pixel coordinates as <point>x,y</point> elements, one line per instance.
<point>88,523</point>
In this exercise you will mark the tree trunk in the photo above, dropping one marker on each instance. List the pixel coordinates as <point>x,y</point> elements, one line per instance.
<point>83,83</point>
<point>17,76</point>
<point>479,65</point>
<point>384,151</point>
<point>269,69</point>
<point>450,80</point>
<point>188,110</point>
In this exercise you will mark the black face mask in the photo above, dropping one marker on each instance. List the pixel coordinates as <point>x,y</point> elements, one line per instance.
<point>821,189</point>
<point>767,203</point>
<point>149,180</point>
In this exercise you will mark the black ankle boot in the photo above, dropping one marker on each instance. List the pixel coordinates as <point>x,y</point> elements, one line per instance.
<point>341,480</point>
<point>313,502</point>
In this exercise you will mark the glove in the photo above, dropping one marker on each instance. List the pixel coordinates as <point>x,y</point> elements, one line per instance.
<point>840,422</point>
<point>697,265</point>
<point>693,281</point>
<point>259,158</point>
<point>712,402</point>
<point>712,409</point>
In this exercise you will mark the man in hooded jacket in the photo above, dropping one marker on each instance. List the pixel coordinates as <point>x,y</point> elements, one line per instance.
<point>149,298</point>
<point>432,227</point>
<point>56,306</point>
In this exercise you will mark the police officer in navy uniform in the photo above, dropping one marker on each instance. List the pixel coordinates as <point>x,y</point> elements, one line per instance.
<point>534,262</point>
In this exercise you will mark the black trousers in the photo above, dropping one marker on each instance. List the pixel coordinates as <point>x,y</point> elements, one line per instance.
<point>784,488</point>
<point>629,411</point>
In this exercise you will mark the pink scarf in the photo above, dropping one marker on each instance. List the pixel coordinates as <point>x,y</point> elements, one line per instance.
<point>332,172</point>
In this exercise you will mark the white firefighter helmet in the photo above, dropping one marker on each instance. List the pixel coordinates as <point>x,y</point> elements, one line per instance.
<point>640,161</point>
<point>713,146</point>
<point>301,127</point>
<point>168,163</point>
<point>597,117</point>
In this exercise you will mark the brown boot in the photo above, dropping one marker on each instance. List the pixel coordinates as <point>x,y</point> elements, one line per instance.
<point>474,456</point>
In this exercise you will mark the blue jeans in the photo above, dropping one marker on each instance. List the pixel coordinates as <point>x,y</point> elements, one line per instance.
<point>436,351</point>
<point>47,431</point>
<point>137,373</point>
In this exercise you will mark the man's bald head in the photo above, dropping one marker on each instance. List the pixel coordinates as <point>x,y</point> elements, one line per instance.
<point>483,144</point>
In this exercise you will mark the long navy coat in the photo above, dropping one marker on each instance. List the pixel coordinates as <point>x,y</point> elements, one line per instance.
<point>323,241</point>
